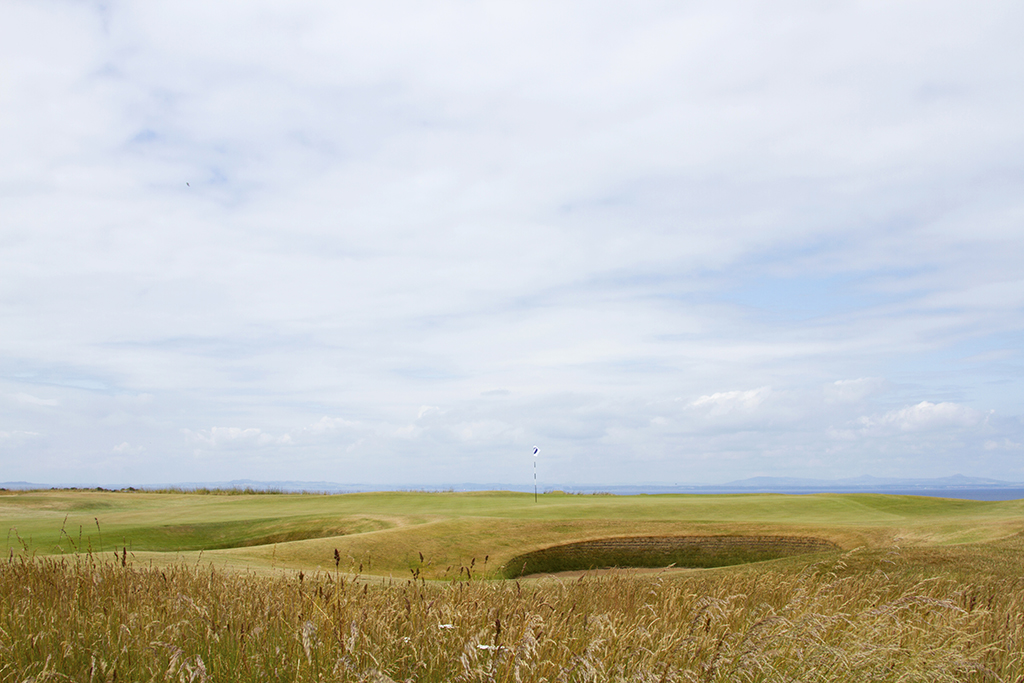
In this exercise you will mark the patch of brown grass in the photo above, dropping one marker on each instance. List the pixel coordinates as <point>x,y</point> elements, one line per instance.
<point>865,617</point>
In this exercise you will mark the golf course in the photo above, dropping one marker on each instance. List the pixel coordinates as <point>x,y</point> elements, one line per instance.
<point>418,586</point>
<point>388,533</point>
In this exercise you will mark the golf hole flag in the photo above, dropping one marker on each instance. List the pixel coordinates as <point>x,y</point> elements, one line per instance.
<point>535,452</point>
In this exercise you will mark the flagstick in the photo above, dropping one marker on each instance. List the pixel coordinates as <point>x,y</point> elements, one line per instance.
<point>535,452</point>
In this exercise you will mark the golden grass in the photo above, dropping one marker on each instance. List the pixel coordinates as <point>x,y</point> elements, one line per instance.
<point>950,614</point>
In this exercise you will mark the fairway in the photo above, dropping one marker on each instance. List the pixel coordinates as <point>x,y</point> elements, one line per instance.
<point>388,533</point>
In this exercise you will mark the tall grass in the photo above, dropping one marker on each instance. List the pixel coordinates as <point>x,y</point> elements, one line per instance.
<point>82,619</point>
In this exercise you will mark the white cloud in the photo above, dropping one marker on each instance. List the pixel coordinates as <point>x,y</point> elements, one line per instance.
<point>330,424</point>
<point>925,416</point>
<point>923,420</point>
<point>722,403</point>
<point>428,411</point>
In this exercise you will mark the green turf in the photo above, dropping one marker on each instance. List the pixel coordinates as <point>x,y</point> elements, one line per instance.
<point>387,532</point>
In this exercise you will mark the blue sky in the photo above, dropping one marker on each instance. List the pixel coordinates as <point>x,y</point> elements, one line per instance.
<point>403,243</point>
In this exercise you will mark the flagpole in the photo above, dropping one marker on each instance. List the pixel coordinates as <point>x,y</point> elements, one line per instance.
<point>535,451</point>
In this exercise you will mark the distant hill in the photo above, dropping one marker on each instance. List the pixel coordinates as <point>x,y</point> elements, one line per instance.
<point>869,482</point>
<point>955,486</point>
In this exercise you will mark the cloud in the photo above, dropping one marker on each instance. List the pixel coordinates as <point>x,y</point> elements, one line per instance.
<point>330,424</point>
<point>467,426</point>
<point>925,416</point>
<point>852,390</point>
<point>235,437</point>
<point>320,219</point>
<point>726,402</point>
<point>35,400</point>
<point>1003,445</point>
<point>428,412</point>
<point>921,421</point>
<point>17,435</point>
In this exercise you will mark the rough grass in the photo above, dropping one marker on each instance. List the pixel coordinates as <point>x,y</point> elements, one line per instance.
<point>866,616</point>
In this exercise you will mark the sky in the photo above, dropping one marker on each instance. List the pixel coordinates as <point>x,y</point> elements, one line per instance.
<point>404,243</point>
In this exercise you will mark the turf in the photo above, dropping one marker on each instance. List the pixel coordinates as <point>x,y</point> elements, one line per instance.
<point>387,533</point>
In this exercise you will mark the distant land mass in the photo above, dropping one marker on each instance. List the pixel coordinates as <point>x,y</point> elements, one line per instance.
<point>867,481</point>
<point>955,486</point>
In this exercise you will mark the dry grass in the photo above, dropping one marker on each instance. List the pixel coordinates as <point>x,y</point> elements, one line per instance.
<point>860,617</point>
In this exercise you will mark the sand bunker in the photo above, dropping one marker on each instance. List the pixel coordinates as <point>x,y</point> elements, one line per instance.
<point>662,551</point>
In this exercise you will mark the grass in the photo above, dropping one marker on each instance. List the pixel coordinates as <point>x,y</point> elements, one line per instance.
<point>388,531</point>
<point>840,619</point>
<point>914,589</point>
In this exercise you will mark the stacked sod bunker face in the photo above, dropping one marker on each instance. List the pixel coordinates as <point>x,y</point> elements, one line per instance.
<point>663,551</point>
